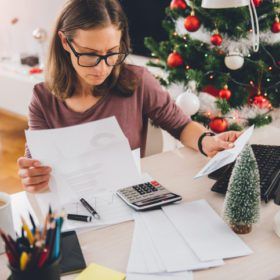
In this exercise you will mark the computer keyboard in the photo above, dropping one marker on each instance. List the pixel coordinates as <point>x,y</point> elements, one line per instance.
<point>268,159</point>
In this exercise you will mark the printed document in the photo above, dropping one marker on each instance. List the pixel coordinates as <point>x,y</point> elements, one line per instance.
<point>88,161</point>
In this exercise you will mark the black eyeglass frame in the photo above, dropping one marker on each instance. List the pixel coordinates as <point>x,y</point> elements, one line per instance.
<point>100,57</point>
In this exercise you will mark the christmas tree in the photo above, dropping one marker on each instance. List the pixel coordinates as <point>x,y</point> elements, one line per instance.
<point>242,202</point>
<point>213,47</point>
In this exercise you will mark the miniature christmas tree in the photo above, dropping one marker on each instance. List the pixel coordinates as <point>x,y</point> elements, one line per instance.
<point>213,47</point>
<point>242,202</point>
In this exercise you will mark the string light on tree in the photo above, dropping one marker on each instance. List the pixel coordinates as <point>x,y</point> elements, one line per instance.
<point>175,60</point>
<point>178,4</point>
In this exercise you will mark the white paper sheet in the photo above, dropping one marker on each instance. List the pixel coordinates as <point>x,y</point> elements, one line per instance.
<point>143,257</point>
<point>88,161</point>
<point>173,250</point>
<point>227,156</point>
<point>157,247</point>
<point>109,206</point>
<point>186,275</point>
<point>89,158</point>
<point>205,231</point>
<point>137,159</point>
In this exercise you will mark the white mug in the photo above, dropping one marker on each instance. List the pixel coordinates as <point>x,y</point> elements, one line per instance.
<point>6,218</point>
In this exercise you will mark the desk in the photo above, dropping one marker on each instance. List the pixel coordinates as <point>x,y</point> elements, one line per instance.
<point>174,169</point>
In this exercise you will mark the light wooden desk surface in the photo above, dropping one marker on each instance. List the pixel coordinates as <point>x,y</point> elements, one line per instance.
<point>110,246</point>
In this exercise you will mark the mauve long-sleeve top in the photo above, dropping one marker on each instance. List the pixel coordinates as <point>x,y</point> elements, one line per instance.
<point>149,100</point>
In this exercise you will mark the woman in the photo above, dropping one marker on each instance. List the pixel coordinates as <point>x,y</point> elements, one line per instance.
<point>87,80</point>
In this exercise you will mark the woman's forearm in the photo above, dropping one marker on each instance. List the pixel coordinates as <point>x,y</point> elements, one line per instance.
<point>191,133</point>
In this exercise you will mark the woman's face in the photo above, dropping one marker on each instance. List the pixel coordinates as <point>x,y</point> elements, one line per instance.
<point>100,41</point>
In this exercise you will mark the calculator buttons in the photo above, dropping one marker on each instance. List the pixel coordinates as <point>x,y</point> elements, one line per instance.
<point>155,183</point>
<point>145,188</point>
<point>147,195</point>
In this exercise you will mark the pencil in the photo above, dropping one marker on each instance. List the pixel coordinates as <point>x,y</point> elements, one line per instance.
<point>32,222</point>
<point>11,258</point>
<point>56,248</point>
<point>51,240</point>
<point>28,231</point>
<point>9,245</point>
<point>43,257</point>
<point>24,258</point>
<point>35,246</point>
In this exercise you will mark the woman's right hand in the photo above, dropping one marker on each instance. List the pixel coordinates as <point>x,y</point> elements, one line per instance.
<point>34,176</point>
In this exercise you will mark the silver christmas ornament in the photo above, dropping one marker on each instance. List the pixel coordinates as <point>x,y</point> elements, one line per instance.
<point>40,35</point>
<point>188,101</point>
<point>234,60</point>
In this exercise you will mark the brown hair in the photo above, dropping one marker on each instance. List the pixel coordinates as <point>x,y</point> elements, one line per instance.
<point>61,77</point>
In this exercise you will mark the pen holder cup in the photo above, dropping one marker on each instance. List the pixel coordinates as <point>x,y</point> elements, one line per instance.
<point>48,272</point>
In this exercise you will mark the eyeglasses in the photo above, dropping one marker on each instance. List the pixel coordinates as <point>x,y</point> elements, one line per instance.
<point>93,59</point>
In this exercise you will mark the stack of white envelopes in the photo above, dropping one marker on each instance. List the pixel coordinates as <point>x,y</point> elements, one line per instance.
<point>170,243</point>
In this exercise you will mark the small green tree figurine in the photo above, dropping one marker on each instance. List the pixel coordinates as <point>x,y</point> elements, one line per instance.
<point>242,202</point>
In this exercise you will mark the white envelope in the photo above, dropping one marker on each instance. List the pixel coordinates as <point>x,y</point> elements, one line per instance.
<point>227,156</point>
<point>174,251</point>
<point>143,257</point>
<point>205,231</point>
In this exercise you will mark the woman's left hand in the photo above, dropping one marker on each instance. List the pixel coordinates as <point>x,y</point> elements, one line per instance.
<point>211,145</point>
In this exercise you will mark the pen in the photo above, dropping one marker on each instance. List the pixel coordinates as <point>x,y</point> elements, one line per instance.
<point>89,208</point>
<point>80,218</point>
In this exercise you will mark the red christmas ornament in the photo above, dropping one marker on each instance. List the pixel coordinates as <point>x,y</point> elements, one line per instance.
<point>261,102</point>
<point>35,70</point>
<point>192,23</point>
<point>14,21</point>
<point>178,4</point>
<point>257,3</point>
<point>218,125</point>
<point>225,93</point>
<point>175,60</point>
<point>211,90</point>
<point>275,27</point>
<point>216,39</point>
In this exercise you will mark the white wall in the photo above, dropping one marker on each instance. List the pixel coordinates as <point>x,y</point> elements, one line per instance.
<point>15,39</point>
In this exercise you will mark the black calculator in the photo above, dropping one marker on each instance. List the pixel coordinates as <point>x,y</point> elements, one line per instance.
<point>147,196</point>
